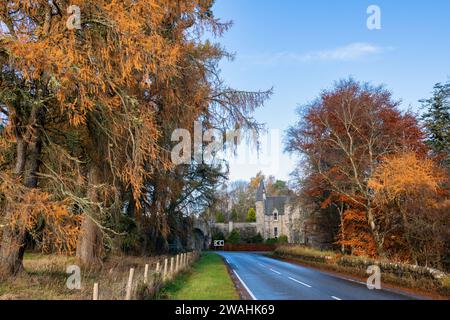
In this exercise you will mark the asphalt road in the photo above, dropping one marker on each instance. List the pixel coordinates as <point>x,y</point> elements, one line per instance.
<point>271,279</point>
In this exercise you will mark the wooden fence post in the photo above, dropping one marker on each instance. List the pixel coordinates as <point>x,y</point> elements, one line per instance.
<point>146,274</point>
<point>172,262</point>
<point>177,263</point>
<point>158,267</point>
<point>95,293</point>
<point>130,284</point>
<point>165,269</point>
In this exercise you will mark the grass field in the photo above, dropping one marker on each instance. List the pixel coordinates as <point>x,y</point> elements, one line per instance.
<point>45,278</point>
<point>208,280</point>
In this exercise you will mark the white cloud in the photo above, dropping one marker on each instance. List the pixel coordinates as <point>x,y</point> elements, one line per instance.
<point>351,52</point>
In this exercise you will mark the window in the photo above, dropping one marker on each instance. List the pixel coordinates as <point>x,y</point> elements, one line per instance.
<point>275,232</point>
<point>275,215</point>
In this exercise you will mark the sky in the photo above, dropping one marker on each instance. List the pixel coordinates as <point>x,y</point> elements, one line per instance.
<point>302,47</point>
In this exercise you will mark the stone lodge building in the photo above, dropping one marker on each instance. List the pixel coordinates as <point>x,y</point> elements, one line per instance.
<point>275,217</point>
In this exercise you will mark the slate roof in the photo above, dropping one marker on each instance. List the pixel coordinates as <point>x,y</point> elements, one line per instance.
<point>261,192</point>
<point>273,203</point>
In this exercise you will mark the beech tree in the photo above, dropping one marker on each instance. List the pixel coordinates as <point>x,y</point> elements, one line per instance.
<point>345,134</point>
<point>412,206</point>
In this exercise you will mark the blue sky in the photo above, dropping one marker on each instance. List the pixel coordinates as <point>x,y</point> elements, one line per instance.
<point>302,47</point>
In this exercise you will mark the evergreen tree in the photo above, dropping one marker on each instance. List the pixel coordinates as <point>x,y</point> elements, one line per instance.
<point>251,215</point>
<point>220,218</point>
<point>437,121</point>
<point>234,237</point>
<point>234,216</point>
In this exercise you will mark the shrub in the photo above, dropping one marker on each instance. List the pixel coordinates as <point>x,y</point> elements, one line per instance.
<point>234,237</point>
<point>218,235</point>
<point>220,218</point>
<point>272,241</point>
<point>280,240</point>
<point>258,239</point>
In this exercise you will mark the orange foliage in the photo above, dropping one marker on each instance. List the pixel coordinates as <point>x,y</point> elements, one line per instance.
<point>357,234</point>
<point>411,201</point>
<point>59,226</point>
<point>405,174</point>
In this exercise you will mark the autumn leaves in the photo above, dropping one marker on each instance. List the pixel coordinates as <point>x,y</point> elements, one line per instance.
<point>369,168</point>
<point>89,115</point>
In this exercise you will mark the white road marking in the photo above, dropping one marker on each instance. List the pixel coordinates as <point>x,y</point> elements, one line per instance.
<point>336,298</point>
<point>352,280</point>
<point>227,261</point>
<point>245,286</point>
<point>275,271</point>
<point>302,283</point>
<point>261,265</point>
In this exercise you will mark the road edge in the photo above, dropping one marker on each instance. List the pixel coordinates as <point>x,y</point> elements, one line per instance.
<point>240,286</point>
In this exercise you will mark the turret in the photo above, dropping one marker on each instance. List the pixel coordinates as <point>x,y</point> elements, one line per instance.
<point>260,209</point>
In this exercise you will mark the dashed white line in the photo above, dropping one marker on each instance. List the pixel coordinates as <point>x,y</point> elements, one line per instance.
<point>261,265</point>
<point>245,286</point>
<point>336,298</point>
<point>302,283</point>
<point>275,271</point>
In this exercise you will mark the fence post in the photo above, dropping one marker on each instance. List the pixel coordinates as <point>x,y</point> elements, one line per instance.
<point>158,267</point>
<point>172,262</point>
<point>165,269</point>
<point>177,263</point>
<point>130,284</point>
<point>95,293</point>
<point>146,274</point>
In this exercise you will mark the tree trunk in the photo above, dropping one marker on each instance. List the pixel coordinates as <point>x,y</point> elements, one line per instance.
<point>375,232</point>
<point>90,242</point>
<point>342,227</point>
<point>21,150</point>
<point>12,248</point>
<point>11,251</point>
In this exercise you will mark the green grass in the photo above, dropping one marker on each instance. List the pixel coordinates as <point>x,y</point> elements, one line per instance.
<point>208,280</point>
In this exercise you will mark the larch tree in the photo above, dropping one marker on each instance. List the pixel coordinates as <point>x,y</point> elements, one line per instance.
<point>87,113</point>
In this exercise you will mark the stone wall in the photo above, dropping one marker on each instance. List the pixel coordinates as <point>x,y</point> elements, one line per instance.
<point>247,230</point>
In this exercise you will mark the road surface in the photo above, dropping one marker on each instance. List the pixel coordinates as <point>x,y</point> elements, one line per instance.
<point>270,279</point>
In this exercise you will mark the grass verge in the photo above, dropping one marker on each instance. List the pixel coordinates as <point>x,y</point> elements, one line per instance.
<point>207,280</point>
<point>45,279</point>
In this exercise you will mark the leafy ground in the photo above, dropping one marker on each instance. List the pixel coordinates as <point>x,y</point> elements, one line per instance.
<point>208,280</point>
